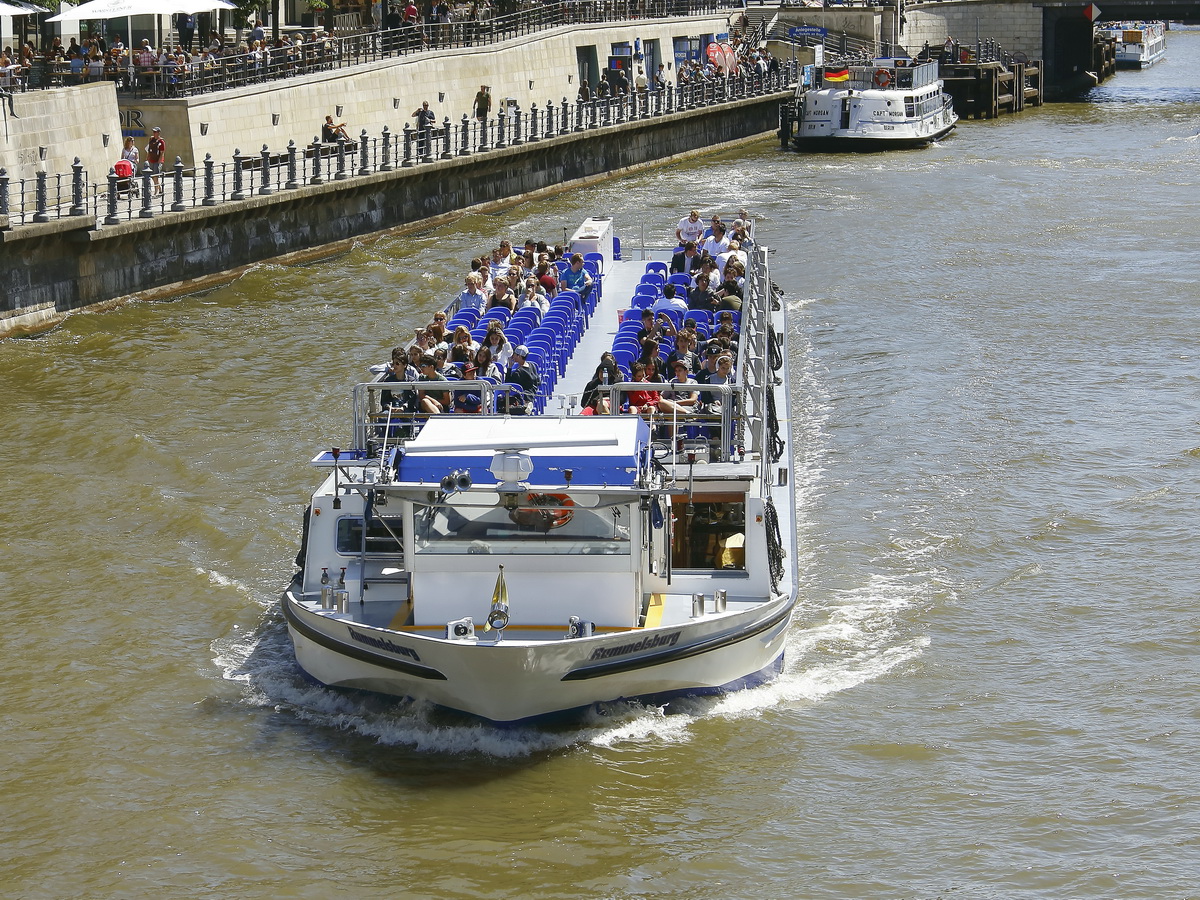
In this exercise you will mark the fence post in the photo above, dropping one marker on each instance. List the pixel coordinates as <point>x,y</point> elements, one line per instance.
<point>425,144</point>
<point>670,99</point>
<point>501,117</point>
<point>77,207</point>
<point>483,136</point>
<point>364,164</point>
<point>292,184</point>
<point>264,180</point>
<point>3,191</point>
<point>40,197</point>
<point>110,219</point>
<point>316,163</point>
<point>446,152</point>
<point>177,179</point>
<point>516,128</point>
<point>238,193</point>
<point>533,123</point>
<point>385,164</point>
<point>341,174</point>
<point>210,193</point>
<point>408,157</point>
<point>465,137</point>
<point>593,112</point>
<point>146,212</point>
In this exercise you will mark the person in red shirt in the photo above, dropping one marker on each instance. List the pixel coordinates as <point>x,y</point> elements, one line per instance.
<point>156,152</point>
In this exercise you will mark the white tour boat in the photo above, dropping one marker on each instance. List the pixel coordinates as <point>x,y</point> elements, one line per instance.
<point>1139,44</point>
<point>515,567</point>
<point>892,103</point>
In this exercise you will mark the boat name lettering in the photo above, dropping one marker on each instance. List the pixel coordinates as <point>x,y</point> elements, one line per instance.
<point>646,643</point>
<point>384,644</point>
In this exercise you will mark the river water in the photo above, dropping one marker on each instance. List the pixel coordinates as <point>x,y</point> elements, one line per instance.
<point>990,689</point>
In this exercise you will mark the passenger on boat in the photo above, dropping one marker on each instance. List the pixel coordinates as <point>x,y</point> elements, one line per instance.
<point>690,228</point>
<point>701,297</point>
<point>712,225</point>
<point>398,370</point>
<point>446,368</point>
<point>502,296</point>
<point>669,302</point>
<point>684,352</point>
<point>730,294</point>
<point>687,260</point>
<point>734,252</point>
<point>548,282</point>
<point>432,402</point>
<point>499,346</point>
<point>462,339</point>
<point>437,328</point>
<point>594,397</point>
<point>535,296</point>
<point>576,277</point>
<point>485,366</point>
<point>472,296</point>
<point>682,375</point>
<point>524,375</point>
<point>717,243</point>
<point>644,400</point>
<point>709,401</point>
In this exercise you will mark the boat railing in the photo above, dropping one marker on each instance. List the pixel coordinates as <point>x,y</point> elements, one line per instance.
<point>377,426</point>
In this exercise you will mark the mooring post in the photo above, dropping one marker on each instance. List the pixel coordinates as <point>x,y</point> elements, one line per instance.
<point>177,183</point>
<point>385,163</point>
<point>364,165</point>
<point>292,183</point>
<point>238,193</point>
<point>341,174</point>
<point>111,219</point>
<point>210,194</point>
<point>407,161</point>
<point>264,180</point>
<point>447,153</point>
<point>317,148</point>
<point>146,212</point>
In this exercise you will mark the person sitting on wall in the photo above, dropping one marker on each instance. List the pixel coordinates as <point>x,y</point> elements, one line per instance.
<point>330,132</point>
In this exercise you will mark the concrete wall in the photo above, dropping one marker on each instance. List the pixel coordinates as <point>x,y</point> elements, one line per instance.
<point>48,270</point>
<point>386,92</point>
<point>1017,27</point>
<point>68,122</point>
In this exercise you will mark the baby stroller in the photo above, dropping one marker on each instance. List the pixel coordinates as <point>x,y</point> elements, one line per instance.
<point>126,180</point>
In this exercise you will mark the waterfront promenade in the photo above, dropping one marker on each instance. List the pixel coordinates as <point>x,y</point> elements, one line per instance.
<point>89,242</point>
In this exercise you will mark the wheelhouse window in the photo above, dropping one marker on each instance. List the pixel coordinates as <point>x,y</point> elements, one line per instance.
<point>380,541</point>
<point>710,532</point>
<point>524,524</point>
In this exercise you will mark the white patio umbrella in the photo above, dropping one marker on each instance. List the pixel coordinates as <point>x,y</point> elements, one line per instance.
<point>119,9</point>
<point>7,9</point>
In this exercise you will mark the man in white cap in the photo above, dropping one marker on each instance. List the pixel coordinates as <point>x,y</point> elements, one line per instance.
<point>524,375</point>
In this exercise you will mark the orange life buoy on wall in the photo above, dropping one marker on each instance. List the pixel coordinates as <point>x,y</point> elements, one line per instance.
<point>544,511</point>
<point>882,78</point>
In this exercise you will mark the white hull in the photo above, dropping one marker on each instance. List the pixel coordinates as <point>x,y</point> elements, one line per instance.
<point>868,111</point>
<point>1139,44</point>
<point>513,680</point>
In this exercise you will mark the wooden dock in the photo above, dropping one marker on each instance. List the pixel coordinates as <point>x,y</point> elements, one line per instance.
<point>987,89</point>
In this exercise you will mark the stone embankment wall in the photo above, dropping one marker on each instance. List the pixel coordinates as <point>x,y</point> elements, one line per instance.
<point>64,124</point>
<point>66,264</point>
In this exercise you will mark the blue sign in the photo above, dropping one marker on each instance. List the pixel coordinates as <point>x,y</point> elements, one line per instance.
<point>807,31</point>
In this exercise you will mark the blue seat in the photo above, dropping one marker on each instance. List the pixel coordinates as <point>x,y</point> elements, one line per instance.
<point>680,278</point>
<point>656,266</point>
<point>633,314</point>
<point>597,258</point>
<point>656,278</point>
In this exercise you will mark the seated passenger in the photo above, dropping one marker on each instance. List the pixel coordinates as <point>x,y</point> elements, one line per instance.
<point>683,398</point>
<point>524,375</point>
<point>594,396</point>
<point>432,401</point>
<point>472,297</point>
<point>576,277</point>
<point>485,367</point>
<point>498,345</point>
<point>668,301</point>
<point>702,297</point>
<point>687,260</point>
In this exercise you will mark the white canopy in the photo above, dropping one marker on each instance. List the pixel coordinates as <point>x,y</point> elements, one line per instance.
<point>7,9</point>
<point>119,9</point>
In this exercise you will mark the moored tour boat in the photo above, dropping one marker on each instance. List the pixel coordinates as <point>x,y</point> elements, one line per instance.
<point>1139,44</point>
<point>893,103</point>
<point>512,567</point>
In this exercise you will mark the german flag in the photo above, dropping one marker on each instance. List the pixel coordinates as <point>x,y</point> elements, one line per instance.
<point>842,74</point>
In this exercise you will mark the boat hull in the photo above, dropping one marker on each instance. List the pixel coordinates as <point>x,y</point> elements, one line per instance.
<point>852,143</point>
<point>517,680</point>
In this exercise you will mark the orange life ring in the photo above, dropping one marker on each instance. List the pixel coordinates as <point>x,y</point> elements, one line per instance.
<point>544,510</point>
<point>882,78</point>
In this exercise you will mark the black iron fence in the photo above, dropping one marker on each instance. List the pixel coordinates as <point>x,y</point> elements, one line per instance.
<point>323,52</point>
<point>146,194</point>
